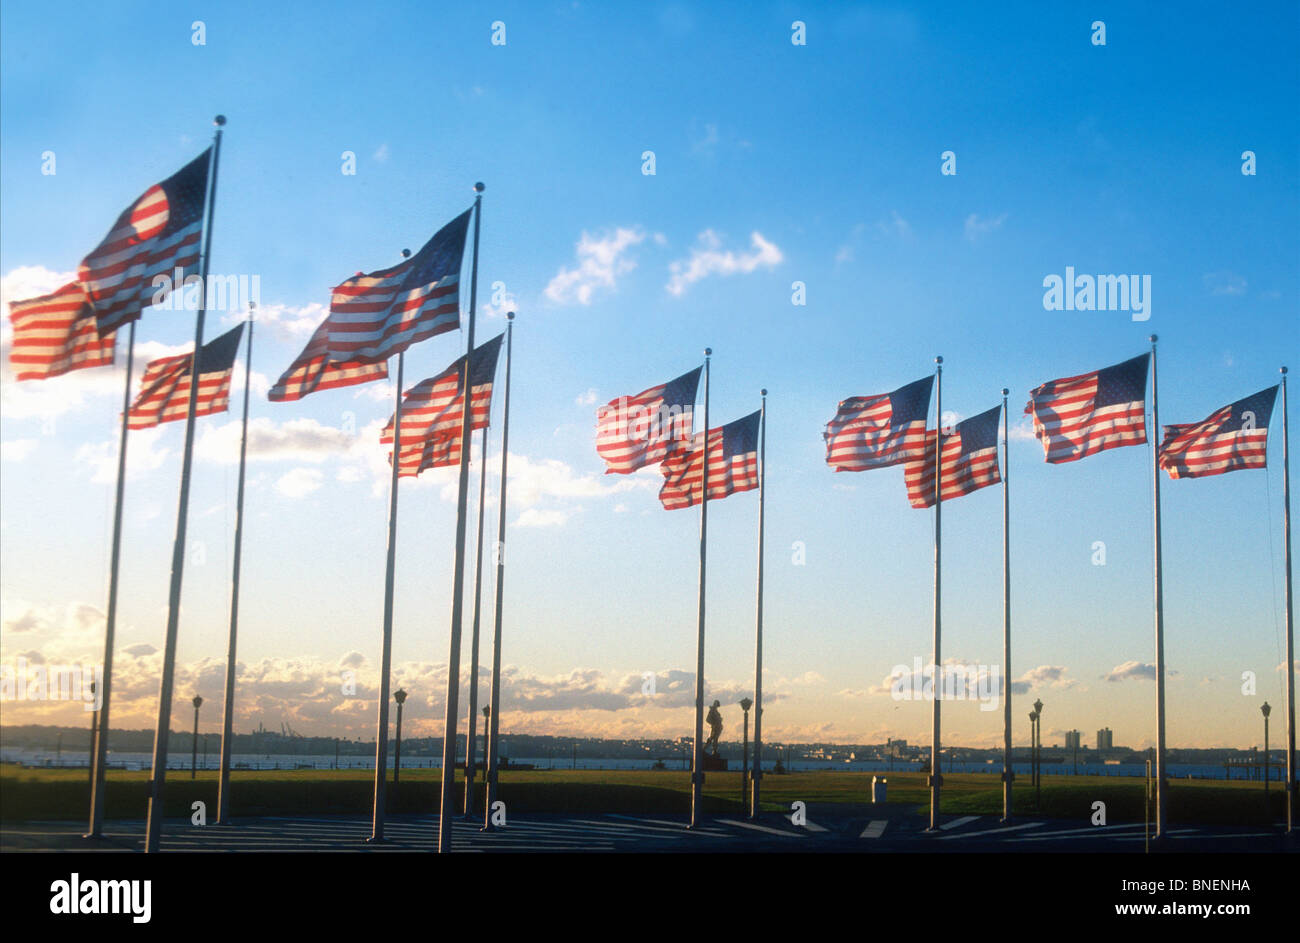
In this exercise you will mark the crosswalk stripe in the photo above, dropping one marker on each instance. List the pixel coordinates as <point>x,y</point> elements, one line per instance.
<point>762,828</point>
<point>992,831</point>
<point>958,823</point>
<point>875,828</point>
<point>811,826</point>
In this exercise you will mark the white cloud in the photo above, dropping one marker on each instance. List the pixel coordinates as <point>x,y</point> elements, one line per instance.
<point>586,399</point>
<point>534,517</point>
<point>296,440</point>
<point>299,483</point>
<point>294,323</point>
<point>1224,283</point>
<point>707,259</point>
<point>381,154</point>
<point>895,226</point>
<point>143,455</point>
<point>977,227</point>
<point>15,450</point>
<point>601,261</point>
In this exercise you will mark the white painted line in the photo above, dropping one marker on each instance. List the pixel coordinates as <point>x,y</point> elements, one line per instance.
<point>875,828</point>
<point>958,823</point>
<point>992,831</point>
<point>811,826</point>
<point>762,828</point>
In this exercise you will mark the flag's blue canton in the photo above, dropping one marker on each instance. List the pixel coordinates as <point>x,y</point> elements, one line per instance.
<point>681,392</point>
<point>440,257</point>
<point>1260,404</point>
<point>186,190</point>
<point>980,432</point>
<point>740,437</point>
<point>1123,383</point>
<point>483,365</point>
<point>220,353</point>
<point>910,403</point>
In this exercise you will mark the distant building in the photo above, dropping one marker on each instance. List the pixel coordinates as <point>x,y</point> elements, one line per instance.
<point>1105,739</point>
<point>1073,739</point>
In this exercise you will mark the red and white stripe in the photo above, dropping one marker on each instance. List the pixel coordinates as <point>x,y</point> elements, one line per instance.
<point>56,333</point>
<point>118,275</point>
<point>683,473</point>
<point>437,452</point>
<point>165,393</point>
<point>1070,426</point>
<point>960,473</point>
<point>313,370</point>
<point>434,408</point>
<point>1201,449</point>
<point>860,438</point>
<point>635,431</point>
<point>372,317</point>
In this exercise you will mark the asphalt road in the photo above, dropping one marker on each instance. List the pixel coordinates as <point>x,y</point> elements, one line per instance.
<point>824,831</point>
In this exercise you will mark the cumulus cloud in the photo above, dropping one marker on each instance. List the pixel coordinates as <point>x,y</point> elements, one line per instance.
<point>299,482</point>
<point>978,226</point>
<point>15,450</point>
<point>601,260</point>
<point>143,455</point>
<point>708,258</point>
<point>295,440</point>
<point>1136,671</point>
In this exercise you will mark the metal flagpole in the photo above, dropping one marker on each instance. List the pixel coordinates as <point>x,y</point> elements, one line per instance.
<point>228,710</point>
<point>1162,803</point>
<point>385,657</point>
<point>757,773</point>
<point>1290,624</point>
<point>158,776</point>
<point>697,765</point>
<point>936,780</point>
<point>458,570</point>
<point>1007,775</point>
<point>493,721</point>
<point>100,744</point>
<point>472,735</point>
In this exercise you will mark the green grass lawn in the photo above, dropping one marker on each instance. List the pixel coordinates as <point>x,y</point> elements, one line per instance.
<point>28,794</point>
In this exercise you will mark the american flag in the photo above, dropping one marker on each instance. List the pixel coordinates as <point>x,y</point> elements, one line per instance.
<point>156,235</point>
<point>1080,416</point>
<point>437,452</point>
<point>1232,438</point>
<point>434,408</point>
<point>969,461</point>
<point>313,370</point>
<point>877,431</point>
<point>635,431</point>
<point>375,316</point>
<point>56,333</point>
<point>165,387</point>
<point>733,465</point>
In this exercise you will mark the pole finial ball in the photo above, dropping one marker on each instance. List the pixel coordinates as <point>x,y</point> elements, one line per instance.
<point>478,187</point>
<point>708,351</point>
<point>219,120</point>
<point>938,360</point>
<point>763,392</point>
<point>406,253</point>
<point>510,315</point>
<point>1005,391</point>
<point>1283,371</point>
<point>1153,338</point>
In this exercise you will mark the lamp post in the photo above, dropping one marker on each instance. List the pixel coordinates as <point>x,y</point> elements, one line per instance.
<point>194,741</point>
<point>487,715</point>
<point>1033,753</point>
<point>745,705</point>
<point>94,734</point>
<point>1265,710</point>
<point>400,697</point>
<point>1038,747</point>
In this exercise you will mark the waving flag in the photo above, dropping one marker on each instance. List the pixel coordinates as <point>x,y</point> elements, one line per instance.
<point>437,452</point>
<point>313,370</point>
<point>158,234</point>
<point>635,431</point>
<point>56,333</point>
<point>1232,438</point>
<point>375,316</point>
<point>877,431</point>
<point>434,408</point>
<point>969,461</point>
<point>165,387</point>
<point>1080,416</point>
<point>733,465</point>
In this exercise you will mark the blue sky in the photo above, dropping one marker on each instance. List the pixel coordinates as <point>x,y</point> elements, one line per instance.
<point>775,163</point>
